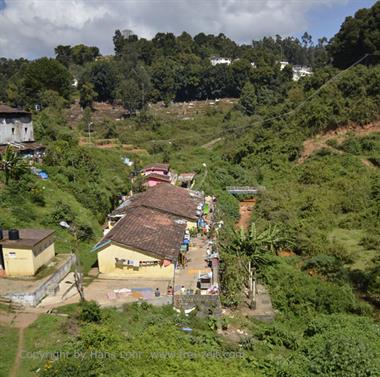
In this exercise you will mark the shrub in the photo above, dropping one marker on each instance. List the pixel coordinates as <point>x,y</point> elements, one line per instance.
<point>62,212</point>
<point>370,242</point>
<point>37,196</point>
<point>90,312</point>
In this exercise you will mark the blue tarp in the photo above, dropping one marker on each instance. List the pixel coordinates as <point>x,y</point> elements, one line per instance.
<point>43,175</point>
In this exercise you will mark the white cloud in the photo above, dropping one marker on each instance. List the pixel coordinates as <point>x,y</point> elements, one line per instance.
<point>32,28</point>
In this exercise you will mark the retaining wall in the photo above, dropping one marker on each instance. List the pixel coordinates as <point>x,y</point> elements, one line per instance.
<point>33,298</point>
<point>206,304</point>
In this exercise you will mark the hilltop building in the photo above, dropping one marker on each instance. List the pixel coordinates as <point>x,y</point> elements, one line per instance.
<point>215,60</point>
<point>298,70</point>
<point>16,129</point>
<point>301,71</point>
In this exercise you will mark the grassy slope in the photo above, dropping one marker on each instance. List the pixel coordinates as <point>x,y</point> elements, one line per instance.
<point>25,213</point>
<point>8,340</point>
<point>42,339</point>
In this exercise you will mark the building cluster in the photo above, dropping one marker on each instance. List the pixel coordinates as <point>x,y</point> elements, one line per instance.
<point>16,129</point>
<point>161,173</point>
<point>149,233</point>
<point>215,60</point>
<point>298,70</point>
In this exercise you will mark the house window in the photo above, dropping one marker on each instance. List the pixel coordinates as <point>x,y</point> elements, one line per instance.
<point>13,131</point>
<point>26,129</point>
<point>12,254</point>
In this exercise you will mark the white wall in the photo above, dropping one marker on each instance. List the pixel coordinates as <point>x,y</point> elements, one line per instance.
<point>16,130</point>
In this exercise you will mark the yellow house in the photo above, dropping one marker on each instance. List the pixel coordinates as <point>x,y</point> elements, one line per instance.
<point>145,243</point>
<point>23,252</point>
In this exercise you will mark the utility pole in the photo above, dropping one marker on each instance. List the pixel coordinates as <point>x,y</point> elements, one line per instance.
<point>143,94</point>
<point>252,285</point>
<point>78,275</point>
<point>89,131</point>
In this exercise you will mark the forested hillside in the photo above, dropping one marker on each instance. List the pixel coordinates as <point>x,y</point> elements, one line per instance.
<point>162,100</point>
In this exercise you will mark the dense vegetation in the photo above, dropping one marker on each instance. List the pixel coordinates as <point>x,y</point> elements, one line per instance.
<point>323,211</point>
<point>170,67</point>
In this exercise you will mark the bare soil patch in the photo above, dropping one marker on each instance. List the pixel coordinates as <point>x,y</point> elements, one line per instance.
<point>318,142</point>
<point>246,207</point>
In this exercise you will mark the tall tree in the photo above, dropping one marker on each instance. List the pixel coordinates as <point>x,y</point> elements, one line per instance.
<point>358,35</point>
<point>63,54</point>
<point>87,95</point>
<point>45,74</point>
<point>130,95</point>
<point>103,76</point>
<point>248,99</point>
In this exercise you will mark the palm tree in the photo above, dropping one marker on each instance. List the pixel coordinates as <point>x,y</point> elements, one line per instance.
<point>11,163</point>
<point>252,248</point>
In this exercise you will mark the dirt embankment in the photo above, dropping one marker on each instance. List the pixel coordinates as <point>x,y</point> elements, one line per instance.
<point>318,142</point>
<point>246,207</point>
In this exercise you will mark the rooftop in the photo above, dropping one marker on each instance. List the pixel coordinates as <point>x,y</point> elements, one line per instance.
<point>4,109</point>
<point>155,233</point>
<point>186,176</point>
<point>122,208</point>
<point>157,166</point>
<point>28,238</point>
<point>160,177</point>
<point>29,146</point>
<point>171,199</point>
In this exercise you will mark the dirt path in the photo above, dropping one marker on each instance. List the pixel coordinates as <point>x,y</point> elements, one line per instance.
<point>21,321</point>
<point>245,211</point>
<point>318,142</point>
<point>211,143</point>
<point>20,347</point>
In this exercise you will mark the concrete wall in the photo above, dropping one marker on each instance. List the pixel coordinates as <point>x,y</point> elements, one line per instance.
<point>46,256</point>
<point>18,262</point>
<point>33,298</point>
<point>107,264</point>
<point>206,304</point>
<point>17,129</point>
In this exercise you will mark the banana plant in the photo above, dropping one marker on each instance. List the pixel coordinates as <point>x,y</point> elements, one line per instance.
<point>11,164</point>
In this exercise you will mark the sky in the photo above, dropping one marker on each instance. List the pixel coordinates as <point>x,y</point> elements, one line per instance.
<point>32,28</point>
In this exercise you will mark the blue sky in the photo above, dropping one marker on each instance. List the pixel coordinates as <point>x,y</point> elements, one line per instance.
<point>32,28</point>
<point>326,21</point>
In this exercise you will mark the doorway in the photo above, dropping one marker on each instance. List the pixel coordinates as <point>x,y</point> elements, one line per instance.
<point>2,262</point>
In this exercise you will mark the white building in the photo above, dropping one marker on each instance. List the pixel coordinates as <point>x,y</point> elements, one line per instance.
<point>219,60</point>
<point>283,65</point>
<point>301,71</point>
<point>298,70</point>
<point>16,126</point>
